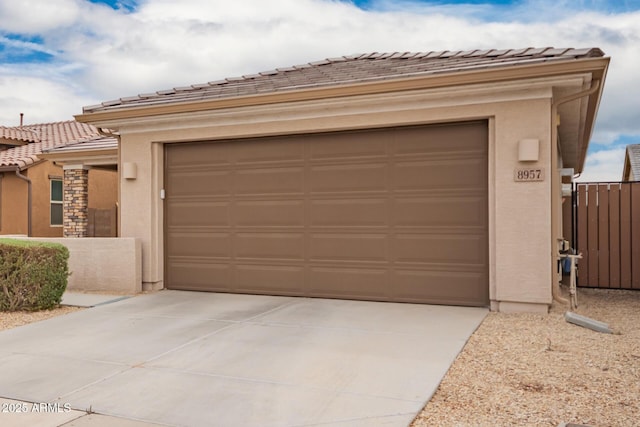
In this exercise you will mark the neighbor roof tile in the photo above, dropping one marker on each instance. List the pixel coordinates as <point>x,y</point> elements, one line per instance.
<point>49,135</point>
<point>633,153</point>
<point>19,134</point>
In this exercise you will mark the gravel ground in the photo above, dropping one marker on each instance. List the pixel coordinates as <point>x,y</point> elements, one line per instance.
<point>13,319</point>
<point>537,370</point>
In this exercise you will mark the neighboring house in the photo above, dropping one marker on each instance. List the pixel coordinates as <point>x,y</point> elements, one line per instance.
<point>428,177</point>
<point>631,169</point>
<point>90,166</point>
<point>32,189</point>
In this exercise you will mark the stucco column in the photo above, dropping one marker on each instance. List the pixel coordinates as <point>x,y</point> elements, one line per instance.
<point>75,205</point>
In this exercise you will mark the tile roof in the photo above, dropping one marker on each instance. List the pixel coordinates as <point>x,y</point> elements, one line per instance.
<point>348,70</point>
<point>18,134</point>
<point>633,154</point>
<point>48,135</point>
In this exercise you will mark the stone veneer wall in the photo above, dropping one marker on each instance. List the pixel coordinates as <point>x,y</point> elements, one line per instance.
<point>76,202</point>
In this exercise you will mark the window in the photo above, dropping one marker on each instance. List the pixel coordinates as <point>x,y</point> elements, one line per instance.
<point>56,202</point>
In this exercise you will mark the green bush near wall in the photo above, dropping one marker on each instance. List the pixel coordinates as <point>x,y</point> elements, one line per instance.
<point>33,275</point>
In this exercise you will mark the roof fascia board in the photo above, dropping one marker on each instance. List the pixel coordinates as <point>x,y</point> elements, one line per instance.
<point>107,155</point>
<point>420,98</point>
<point>592,112</point>
<point>595,66</point>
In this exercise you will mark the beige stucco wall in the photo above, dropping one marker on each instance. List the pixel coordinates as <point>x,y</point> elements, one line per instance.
<point>520,215</point>
<point>107,265</point>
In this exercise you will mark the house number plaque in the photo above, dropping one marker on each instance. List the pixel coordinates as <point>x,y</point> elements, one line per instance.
<point>528,174</point>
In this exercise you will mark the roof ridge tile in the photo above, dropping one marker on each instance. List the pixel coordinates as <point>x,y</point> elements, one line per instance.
<point>518,52</point>
<point>436,54</point>
<point>449,54</point>
<point>321,62</point>
<point>497,52</point>
<point>467,53</point>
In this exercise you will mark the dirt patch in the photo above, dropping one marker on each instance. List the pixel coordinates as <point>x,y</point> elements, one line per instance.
<point>524,369</point>
<point>14,319</point>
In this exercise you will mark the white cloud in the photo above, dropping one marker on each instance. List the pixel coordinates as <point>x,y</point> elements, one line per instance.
<point>36,16</point>
<point>40,99</point>
<point>605,165</point>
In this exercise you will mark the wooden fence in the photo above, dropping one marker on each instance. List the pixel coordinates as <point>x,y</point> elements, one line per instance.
<point>608,234</point>
<point>102,222</point>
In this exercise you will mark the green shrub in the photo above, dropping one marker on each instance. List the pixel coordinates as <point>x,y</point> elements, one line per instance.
<point>33,275</point>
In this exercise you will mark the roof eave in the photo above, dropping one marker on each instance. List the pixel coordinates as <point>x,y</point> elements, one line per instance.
<point>596,66</point>
<point>22,165</point>
<point>102,154</point>
<point>592,112</point>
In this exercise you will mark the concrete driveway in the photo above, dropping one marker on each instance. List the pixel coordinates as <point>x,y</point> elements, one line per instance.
<point>197,359</point>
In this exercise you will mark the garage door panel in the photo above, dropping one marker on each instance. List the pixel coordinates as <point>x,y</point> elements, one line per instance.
<point>272,150</point>
<point>270,245</point>
<point>199,276</point>
<point>287,280</point>
<point>439,175</point>
<point>269,213</point>
<point>397,214</point>
<point>348,178</point>
<point>200,184</point>
<point>269,181</point>
<point>198,214</point>
<point>360,283</point>
<point>440,140</point>
<point>440,249</point>
<point>199,244</point>
<point>345,247</point>
<point>192,156</point>
<point>350,145</point>
<point>444,287</point>
<point>349,213</point>
<point>440,211</point>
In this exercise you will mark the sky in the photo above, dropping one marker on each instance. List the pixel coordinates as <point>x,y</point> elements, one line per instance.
<point>57,56</point>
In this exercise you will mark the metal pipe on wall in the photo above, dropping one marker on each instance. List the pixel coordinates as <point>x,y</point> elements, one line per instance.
<point>29,199</point>
<point>555,191</point>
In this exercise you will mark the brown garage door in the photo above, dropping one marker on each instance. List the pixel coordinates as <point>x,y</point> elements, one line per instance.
<point>396,214</point>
